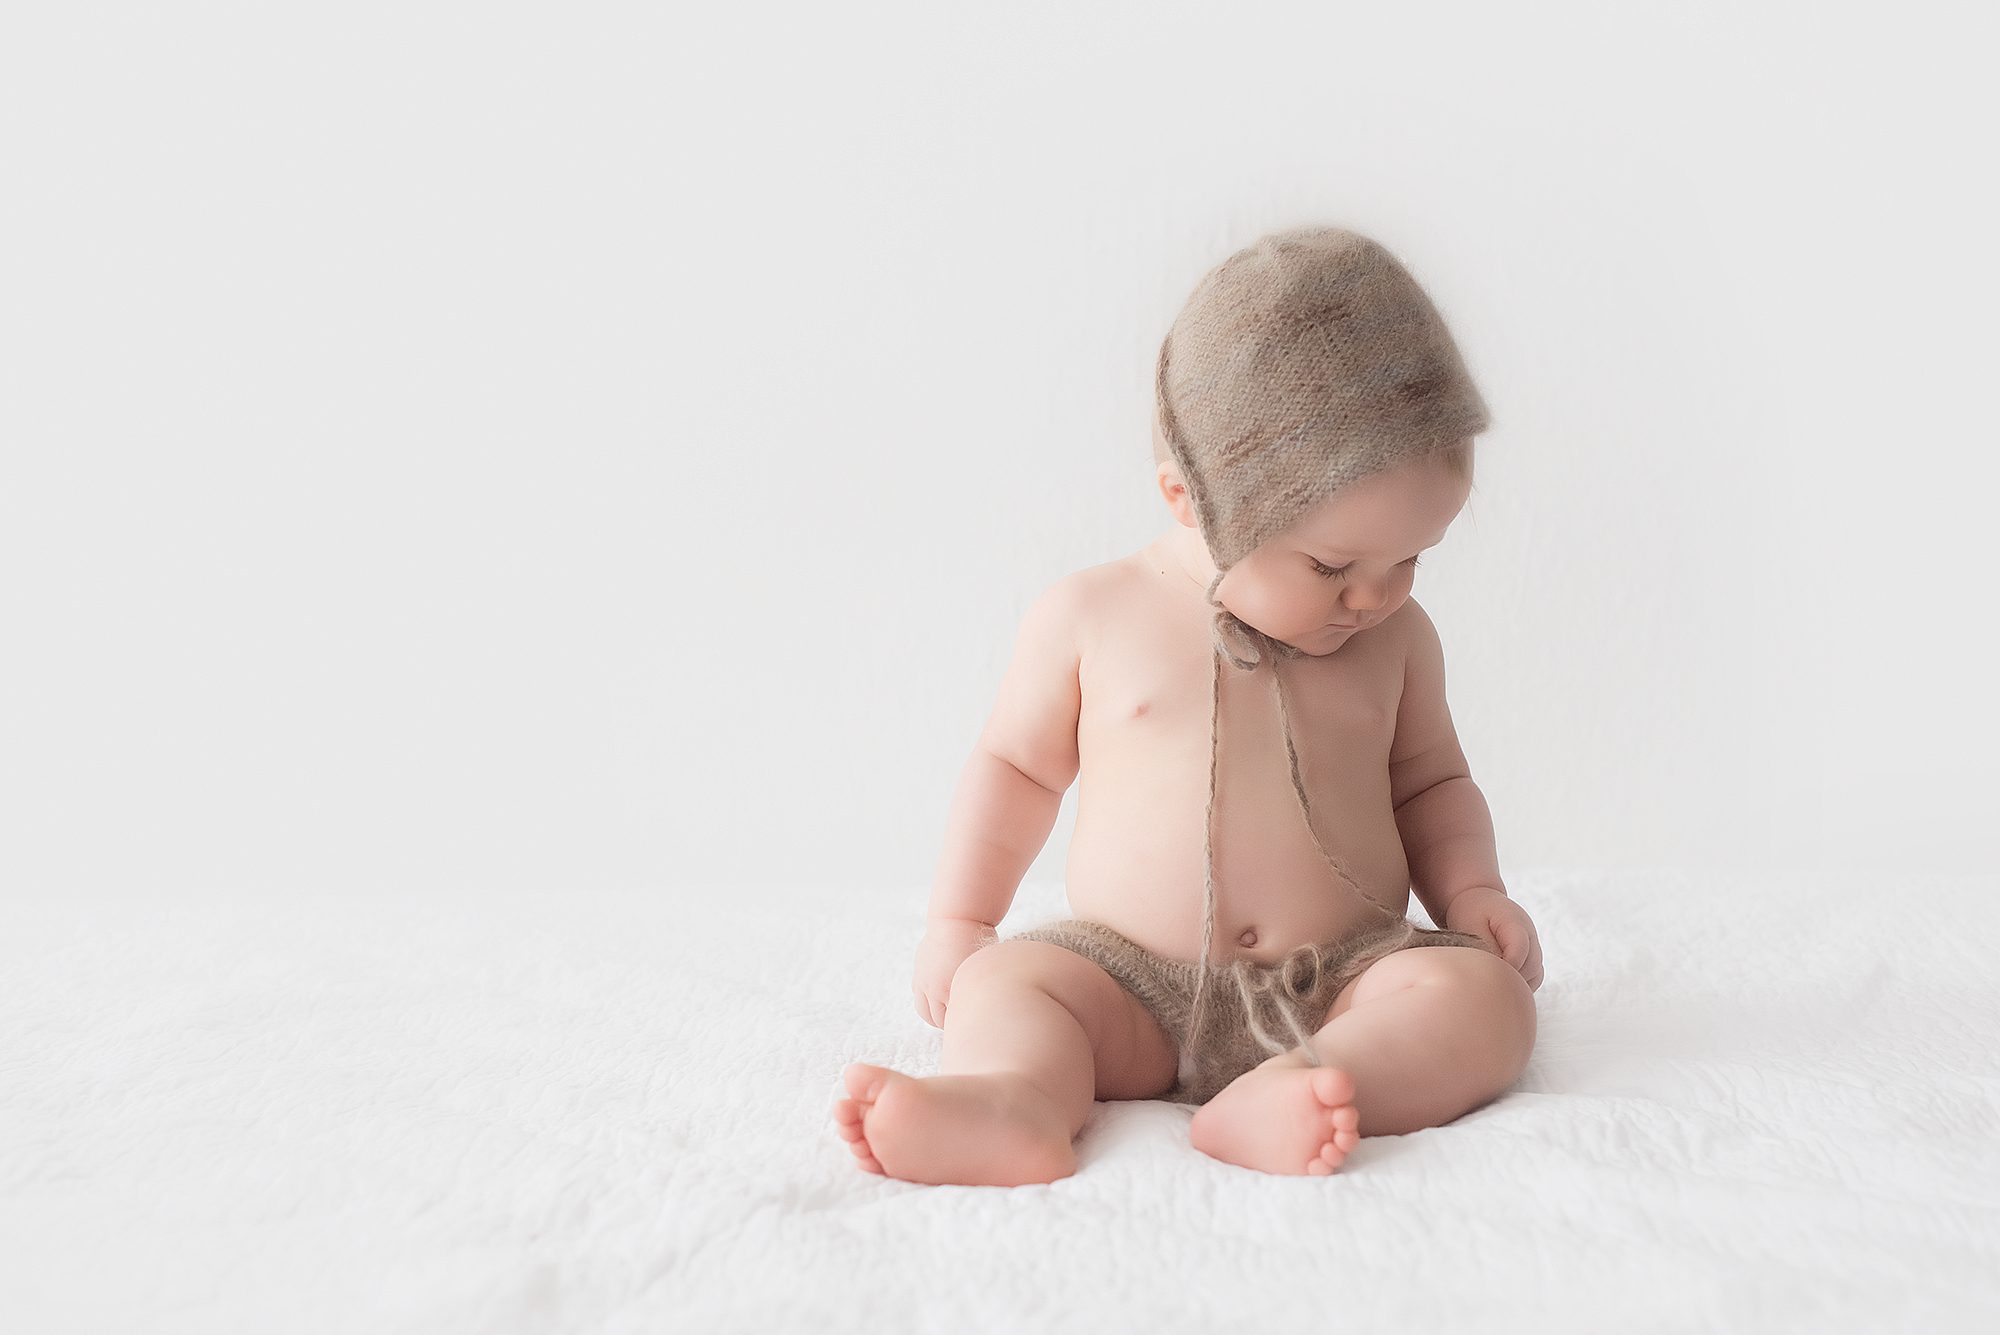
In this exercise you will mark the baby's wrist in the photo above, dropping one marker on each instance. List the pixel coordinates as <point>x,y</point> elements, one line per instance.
<point>1474,891</point>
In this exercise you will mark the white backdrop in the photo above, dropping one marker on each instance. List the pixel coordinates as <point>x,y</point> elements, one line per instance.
<point>452,447</point>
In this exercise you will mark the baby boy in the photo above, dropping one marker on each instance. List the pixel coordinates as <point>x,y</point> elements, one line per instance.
<point>1231,948</point>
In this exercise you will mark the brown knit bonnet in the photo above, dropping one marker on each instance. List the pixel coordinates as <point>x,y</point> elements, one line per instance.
<point>1303,362</point>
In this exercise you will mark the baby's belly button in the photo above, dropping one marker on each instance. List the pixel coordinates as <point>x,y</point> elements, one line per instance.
<point>1249,937</point>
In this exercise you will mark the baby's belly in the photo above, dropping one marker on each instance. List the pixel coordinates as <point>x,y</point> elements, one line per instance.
<point>1135,860</point>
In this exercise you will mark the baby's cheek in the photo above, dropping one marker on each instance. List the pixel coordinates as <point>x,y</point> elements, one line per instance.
<point>1256,606</point>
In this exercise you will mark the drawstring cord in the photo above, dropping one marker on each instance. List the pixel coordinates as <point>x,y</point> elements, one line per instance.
<point>1296,977</point>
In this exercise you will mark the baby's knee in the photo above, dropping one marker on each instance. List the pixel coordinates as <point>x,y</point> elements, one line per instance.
<point>1496,991</point>
<point>1496,1001</point>
<point>1009,963</point>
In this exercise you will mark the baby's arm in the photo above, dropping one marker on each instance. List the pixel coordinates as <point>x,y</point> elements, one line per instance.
<point>1025,759</point>
<point>1446,826</point>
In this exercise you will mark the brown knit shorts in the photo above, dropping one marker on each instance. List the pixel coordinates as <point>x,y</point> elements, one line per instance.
<point>1311,975</point>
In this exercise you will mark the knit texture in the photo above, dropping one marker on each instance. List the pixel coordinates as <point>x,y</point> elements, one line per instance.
<point>1302,363</point>
<point>1257,1000</point>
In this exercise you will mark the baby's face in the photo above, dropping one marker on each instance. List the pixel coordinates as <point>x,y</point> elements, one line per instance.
<point>1348,564</point>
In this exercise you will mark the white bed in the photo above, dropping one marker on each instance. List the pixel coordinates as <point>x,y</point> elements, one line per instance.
<point>1752,1106</point>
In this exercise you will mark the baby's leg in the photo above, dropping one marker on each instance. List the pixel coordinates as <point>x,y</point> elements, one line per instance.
<point>1033,1035</point>
<point>1421,1037</point>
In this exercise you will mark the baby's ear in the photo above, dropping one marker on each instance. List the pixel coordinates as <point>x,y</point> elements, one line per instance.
<point>1173,490</point>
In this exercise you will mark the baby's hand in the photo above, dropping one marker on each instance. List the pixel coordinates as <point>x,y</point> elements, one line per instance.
<point>1485,911</point>
<point>946,943</point>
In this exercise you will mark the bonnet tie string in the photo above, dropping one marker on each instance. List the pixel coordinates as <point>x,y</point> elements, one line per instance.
<point>1291,983</point>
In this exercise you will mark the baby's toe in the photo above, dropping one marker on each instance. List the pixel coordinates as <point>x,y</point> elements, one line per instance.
<point>864,1080</point>
<point>1333,1086</point>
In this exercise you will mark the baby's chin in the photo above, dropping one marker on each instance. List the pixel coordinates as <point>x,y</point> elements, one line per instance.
<point>1322,643</point>
<point>1315,642</point>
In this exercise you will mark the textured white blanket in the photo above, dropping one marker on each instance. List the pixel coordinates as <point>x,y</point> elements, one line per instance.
<point>1752,1106</point>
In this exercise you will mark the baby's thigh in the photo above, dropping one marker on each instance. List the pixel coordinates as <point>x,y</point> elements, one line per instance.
<point>1487,982</point>
<point>1131,1053</point>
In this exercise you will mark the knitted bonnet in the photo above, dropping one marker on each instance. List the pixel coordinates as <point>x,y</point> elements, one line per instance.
<point>1303,362</point>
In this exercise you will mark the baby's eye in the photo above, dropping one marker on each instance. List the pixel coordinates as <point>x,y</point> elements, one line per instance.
<point>1329,572</point>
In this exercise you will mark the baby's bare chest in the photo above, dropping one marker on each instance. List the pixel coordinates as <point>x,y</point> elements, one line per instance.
<point>1138,854</point>
<point>1148,695</point>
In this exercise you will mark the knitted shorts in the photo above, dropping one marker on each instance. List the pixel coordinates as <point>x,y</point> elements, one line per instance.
<point>1312,975</point>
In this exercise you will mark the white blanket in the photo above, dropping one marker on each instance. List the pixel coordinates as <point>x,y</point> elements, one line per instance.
<point>1752,1107</point>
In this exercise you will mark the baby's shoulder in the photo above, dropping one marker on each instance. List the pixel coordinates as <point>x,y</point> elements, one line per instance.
<point>1075,608</point>
<point>1082,592</point>
<point>1410,622</point>
<point>1062,611</point>
<point>1409,637</point>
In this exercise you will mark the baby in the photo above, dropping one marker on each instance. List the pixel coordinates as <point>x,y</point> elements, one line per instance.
<point>1232,949</point>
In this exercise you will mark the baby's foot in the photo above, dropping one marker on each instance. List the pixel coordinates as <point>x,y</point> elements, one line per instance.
<point>979,1130</point>
<point>1281,1118</point>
